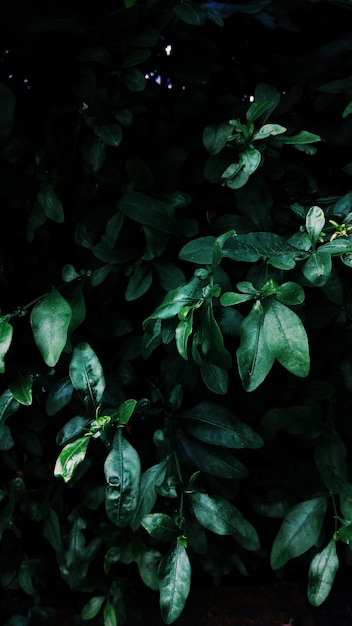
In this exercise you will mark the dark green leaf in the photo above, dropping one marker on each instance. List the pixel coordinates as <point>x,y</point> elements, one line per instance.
<point>134,80</point>
<point>174,582</point>
<point>213,460</point>
<point>330,456</point>
<point>52,530</point>
<point>92,608</point>
<point>322,572</point>
<point>139,282</point>
<point>248,164</point>
<point>290,293</point>
<point>160,526</point>
<point>199,251</point>
<point>50,320</point>
<point>317,268</point>
<point>122,470</point>
<point>8,406</point>
<point>50,203</point>
<point>6,332</point>
<point>315,222</point>
<point>221,517</point>
<point>216,136</point>
<point>152,478</point>
<point>254,356</point>
<point>111,134</point>
<point>136,57</point>
<point>257,109</point>
<point>76,426</point>
<point>190,13</point>
<point>299,530</point>
<point>253,246</point>
<point>21,389</point>
<point>70,457</point>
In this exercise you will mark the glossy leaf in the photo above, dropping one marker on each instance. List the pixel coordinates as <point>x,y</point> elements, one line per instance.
<point>50,320</point>
<point>86,374</point>
<point>160,526</point>
<point>322,572</point>
<point>8,406</point>
<point>199,250</point>
<point>92,608</point>
<point>6,332</point>
<point>317,268</point>
<point>122,470</point>
<point>221,517</point>
<point>252,246</point>
<point>213,460</point>
<point>109,614</point>
<point>174,582</point>
<point>254,356</point>
<point>248,164</point>
<point>215,424</point>
<point>182,334</point>
<point>151,479</point>
<point>76,426</point>
<point>21,389</point>
<point>299,530</point>
<point>70,457</point>
<point>257,109</point>
<point>315,222</point>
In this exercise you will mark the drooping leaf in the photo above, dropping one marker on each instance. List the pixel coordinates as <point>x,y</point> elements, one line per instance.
<point>174,582</point>
<point>221,517</point>
<point>70,457</point>
<point>6,332</point>
<point>299,530</point>
<point>122,470</point>
<point>322,572</point>
<point>86,374</point>
<point>50,319</point>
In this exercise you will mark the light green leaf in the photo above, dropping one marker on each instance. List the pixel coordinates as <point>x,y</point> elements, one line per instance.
<point>122,470</point>
<point>287,338</point>
<point>86,374</point>
<point>299,531</point>
<point>109,615</point>
<point>248,164</point>
<point>92,608</point>
<point>111,134</point>
<point>231,298</point>
<point>303,137</point>
<point>174,582</point>
<point>322,572</point>
<point>125,411</point>
<point>50,203</point>
<point>21,389</point>
<point>268,130</point>
<point>221,517</point>
<point>50,319</point>
<point>290,293</point>
<point>160,526</point>
<point>215,424</point>
<point>315,222</point>
<point>317,269</point>
<point>6,332</point>
<point>70,457</point>
<point>254,356</point>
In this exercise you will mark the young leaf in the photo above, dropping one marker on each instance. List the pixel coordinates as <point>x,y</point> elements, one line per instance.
<point>174,582</point>
<point>299,530</point>
<point>315,222</point>
<point>70,457</point>
<point>86,374</point>
<point>92,608</point>
<point>254,356</point>
<point>122,470</point>
<point>50,320</point>
<point>6,332</point>
<point>287,338</point>
<point>322,572</point>
<point>221,517</point>
<point>109,614</point>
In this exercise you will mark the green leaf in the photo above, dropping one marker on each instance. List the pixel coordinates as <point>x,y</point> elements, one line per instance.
<point>231,298</point>
<point>248,164</point>
<point>215,424</point>
<point>111,134</point>
<point>287,338</point>
<point>185,295</point>
<point>254,357</point>
<point>134,80</point>
<point>109,614</point>
<point>213,460</point>
<point>322,572</point>
<point>211,346</point>
<point>50,203</point>
<point>151,479</point>
<point>192,14</point>
<point>7,111</point>
<point>345,496</point>
<point>216,136</point>
<point>50,319</point>
<point>52,530</point>
<point>257,109</point>
<point>315,222</point>
<point>21,389</point>
<point>59,396</point>
<point>182,334</point>
<point>174,582</point>
<point>69,273</point>
<point>299,531</point>
<point>8,406</point>
<point>122,470</point>
<point>160,526</point>
<point>253,246</point>
<point>86,374</point>
<point>199,251</point>
<point>330,456</point>
<point>136,57</point>
<point>139,282</point>
<point>125,411</point>
<point>317,269</point>
<point>6,332</point>
<point>214,377</point>
<point>221,517</point>
<point>113,228</point>
<point>290,293</point>
<point>70,457</point>
<point>149,211</point>
<point>92,608</point>
<point>347,110</point>
<point>268,130</point>
<point>302,137</point>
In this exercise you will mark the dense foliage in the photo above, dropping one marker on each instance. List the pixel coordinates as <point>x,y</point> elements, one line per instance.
<point>176,302</point>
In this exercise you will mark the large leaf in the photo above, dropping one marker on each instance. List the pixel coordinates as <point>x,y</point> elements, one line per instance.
<point>315,222</point>
<point>215,424</point>
<point>70,457</point>
<point>122,470</point>
<point>286,338</point>
<point>322,572</point>
<point>254,356</point>
<point>317,268</point>
<point>253,246</point>
<point>199,250</point>
<point>221,517</point>
<point>50,320</point>
<point>86,374</point>
<point>174,582</point>
<point>299,530</point>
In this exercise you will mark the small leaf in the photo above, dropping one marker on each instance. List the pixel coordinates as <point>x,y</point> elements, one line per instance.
<point>322,572</point>
<point>109,615</point>
<point>50,203</point>
<point>50,320</point>
<point>69,273</point>
<point>125,411</point>
<point>290,293</point>
<point>151,479</point>
<point>21,389</point>
<point>92,608</point>
<point>6,332</point>
<point>70,457</point>
<point>299,531</point>
<point>248,164</point>
<point>52,530</point>
<point>317,268</point>
<point>174,582</point>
